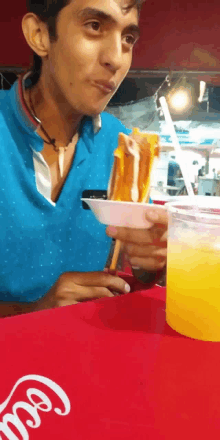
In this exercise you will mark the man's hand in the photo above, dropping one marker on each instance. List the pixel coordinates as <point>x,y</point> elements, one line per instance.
<point>74,287</point>
<point>145,248</point>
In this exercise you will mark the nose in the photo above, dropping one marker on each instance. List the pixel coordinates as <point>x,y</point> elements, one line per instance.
<point>111,56</point>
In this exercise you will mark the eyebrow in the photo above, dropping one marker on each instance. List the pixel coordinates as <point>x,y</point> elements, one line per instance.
<point>98,13</point>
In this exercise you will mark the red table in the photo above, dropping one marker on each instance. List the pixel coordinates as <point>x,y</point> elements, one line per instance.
<point>119,373</point>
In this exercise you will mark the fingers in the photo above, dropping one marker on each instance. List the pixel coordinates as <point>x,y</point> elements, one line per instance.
<point>157,215</point>
<point>150,257</point>
<point>63,303</point>
<point>74,287</point>
<point>100,279</point>
<point>81,294</point>
<point>88,293</point>
<point>138,236</point>
<point>156,226</point>
<point>117,284</point>
<point>90,285</point>
<point>133,250</point>
<point>149,264</point>
<point>163,238</point>
<point>130,235</point>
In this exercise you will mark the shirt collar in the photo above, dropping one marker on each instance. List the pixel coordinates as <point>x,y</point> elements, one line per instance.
<point>30,119</point>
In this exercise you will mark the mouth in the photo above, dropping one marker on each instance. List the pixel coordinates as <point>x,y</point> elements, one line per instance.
<point>105,86</point>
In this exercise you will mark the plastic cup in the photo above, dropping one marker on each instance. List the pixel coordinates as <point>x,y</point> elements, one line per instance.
<point>193,268</point>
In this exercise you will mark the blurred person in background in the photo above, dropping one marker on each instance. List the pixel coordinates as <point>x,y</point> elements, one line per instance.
<point>174,172</point>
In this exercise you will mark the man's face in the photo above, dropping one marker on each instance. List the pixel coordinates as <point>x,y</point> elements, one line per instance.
<point>93,52</point>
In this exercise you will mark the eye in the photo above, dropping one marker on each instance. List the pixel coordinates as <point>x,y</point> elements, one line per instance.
<point>94,25</point>
<point>130,39</point>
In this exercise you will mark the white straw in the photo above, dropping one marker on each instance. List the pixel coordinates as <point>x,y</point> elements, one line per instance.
<point>177,148</point>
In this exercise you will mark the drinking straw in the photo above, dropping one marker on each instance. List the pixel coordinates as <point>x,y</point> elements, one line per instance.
<point>115,255</point>
<point>177,148</point>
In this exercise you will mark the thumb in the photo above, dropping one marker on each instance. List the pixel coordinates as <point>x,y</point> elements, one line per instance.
<point>157,215</point>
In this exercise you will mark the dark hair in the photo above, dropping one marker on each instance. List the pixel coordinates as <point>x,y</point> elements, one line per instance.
<point>48,11</point>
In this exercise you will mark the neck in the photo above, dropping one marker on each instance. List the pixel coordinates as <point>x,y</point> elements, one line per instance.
<point>56,116</point>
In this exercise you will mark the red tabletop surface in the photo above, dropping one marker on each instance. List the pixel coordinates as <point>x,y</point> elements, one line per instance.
<point>124,372</point>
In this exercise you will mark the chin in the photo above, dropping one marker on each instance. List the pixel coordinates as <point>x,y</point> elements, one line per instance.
<point>94,113</point>
<point>96,110</point>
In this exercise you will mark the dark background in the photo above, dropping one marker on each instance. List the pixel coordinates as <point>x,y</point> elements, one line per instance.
<point>176,35</point>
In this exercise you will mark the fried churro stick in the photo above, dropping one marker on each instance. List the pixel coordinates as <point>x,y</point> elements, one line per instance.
<point>131,172</point>
<point>134,158</point>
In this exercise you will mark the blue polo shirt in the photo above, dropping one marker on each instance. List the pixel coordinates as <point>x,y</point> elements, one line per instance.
<point>39,240</point>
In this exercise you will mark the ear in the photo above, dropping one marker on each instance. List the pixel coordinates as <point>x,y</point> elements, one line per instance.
<point>36,34</point>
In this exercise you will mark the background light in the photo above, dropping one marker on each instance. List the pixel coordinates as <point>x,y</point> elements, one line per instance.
<point>180,100</point>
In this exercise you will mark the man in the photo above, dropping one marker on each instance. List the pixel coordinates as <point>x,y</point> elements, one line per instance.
<point>173,172</point>
<point>58,143</point>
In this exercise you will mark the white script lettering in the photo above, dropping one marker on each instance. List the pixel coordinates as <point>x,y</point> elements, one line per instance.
<point>32,408</point>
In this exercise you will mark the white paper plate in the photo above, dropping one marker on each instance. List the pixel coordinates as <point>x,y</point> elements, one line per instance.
<point>126,214</point>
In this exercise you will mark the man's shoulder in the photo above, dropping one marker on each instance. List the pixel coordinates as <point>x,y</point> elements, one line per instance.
<point>3,98</point>
<point>3,109</point>
<point>112,124</point>
<point>3,94</point>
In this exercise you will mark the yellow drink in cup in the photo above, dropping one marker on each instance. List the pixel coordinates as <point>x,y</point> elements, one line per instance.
<point>193,268</point>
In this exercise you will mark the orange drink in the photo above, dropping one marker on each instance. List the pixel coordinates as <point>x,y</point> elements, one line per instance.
<point>193,268</point>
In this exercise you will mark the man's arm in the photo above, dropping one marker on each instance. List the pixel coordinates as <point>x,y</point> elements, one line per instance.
<point>16,308</point>
<point>150,278</point>
<point>71,288</point>
<point>145,248</point>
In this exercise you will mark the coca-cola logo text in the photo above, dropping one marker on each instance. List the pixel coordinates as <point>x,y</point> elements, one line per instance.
<point>37,401</point>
